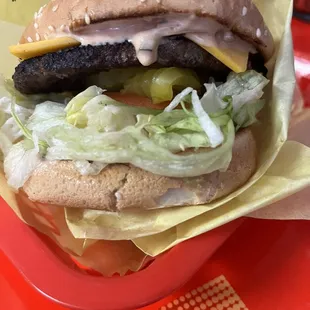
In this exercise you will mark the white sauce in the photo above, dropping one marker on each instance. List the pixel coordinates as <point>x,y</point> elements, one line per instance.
<point>146,33</point>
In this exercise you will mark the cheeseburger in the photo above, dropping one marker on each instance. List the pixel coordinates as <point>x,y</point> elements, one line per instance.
<point>136,103</point>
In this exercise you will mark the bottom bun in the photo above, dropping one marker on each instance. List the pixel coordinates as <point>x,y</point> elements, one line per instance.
<point>120,186</point>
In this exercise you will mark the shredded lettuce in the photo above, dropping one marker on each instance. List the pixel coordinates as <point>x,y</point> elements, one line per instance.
<point>5,145</point>
<point>243,88</point>
<point>176,142</point>
<point>10,130</point>
<point>74,107</point>
<point>15,109</point>
<point>105,113</point>
<point>179,98</point>
<point>212,101</point>
<point>180,129</point>
<point>20,163</point>
<point>131,145</point>
<point>30,101</point>
<point>212,131</point>
<point>246,116</point>
<point>94,130</point>
<point>39,145</point>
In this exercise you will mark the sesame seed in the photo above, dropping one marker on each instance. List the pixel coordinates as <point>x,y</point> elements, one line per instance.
<point>87,19</point>
<point>142,1</point>
<point>55,8</point>
<point>36,25</point>
<point>29,39</point>
<point>266,32</point>
<point>41,10</point>
<point>258,33</point>
<point>38,37</point>
<point>158,1</point>
<point>51,28</point>
<point>228,36</point>
<point>62,27</point>
<point>45,36</point>
<point>35,15</point>
<point>244,11</point>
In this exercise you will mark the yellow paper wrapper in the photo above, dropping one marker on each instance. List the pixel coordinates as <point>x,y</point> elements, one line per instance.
<point>155,231</point>
<point>185,222</point>
<point>295,207</point>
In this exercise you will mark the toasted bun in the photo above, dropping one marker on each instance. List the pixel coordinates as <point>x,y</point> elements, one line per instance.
<point>121,187</point>
<point>241,16</point>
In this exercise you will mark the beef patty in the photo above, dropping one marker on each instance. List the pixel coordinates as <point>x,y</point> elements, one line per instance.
<point>67,70</point>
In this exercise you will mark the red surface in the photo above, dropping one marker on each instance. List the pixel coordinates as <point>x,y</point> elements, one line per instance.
<point>274,274</point>
<point>302,5</point>
<point>16,293</point>
<point>267,262</point>
<point>301,34</point>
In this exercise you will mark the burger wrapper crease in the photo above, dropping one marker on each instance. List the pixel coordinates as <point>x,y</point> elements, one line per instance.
<point>116,243</point>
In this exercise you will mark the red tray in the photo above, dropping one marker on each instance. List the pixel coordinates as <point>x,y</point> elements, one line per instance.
<point>264,265</point>
<point>51,271</point>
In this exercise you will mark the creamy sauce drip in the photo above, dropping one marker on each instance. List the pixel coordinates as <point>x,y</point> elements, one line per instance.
<point>147,33</point>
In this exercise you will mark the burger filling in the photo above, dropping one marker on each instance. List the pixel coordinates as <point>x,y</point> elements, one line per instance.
<point>147,92</point>
<point>147,33</point>
<point>171,40</point>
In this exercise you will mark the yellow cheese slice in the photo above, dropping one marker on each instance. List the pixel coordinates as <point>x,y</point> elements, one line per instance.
<point>30,50</point>
<point>237,61</point>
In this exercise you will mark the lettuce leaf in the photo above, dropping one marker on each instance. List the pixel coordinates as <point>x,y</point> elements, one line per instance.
<point>132,145</point>
<point>212,131</point>
<point>212,101</point>
<point>74,107</point>
<point>94,130</point>
<point>10,130</point>
<point>246,116</point>
<point>176,142</point>
<point>20,163</point>
<point>243,88</point>
<point>30,101</point>
<point>94,109</point>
